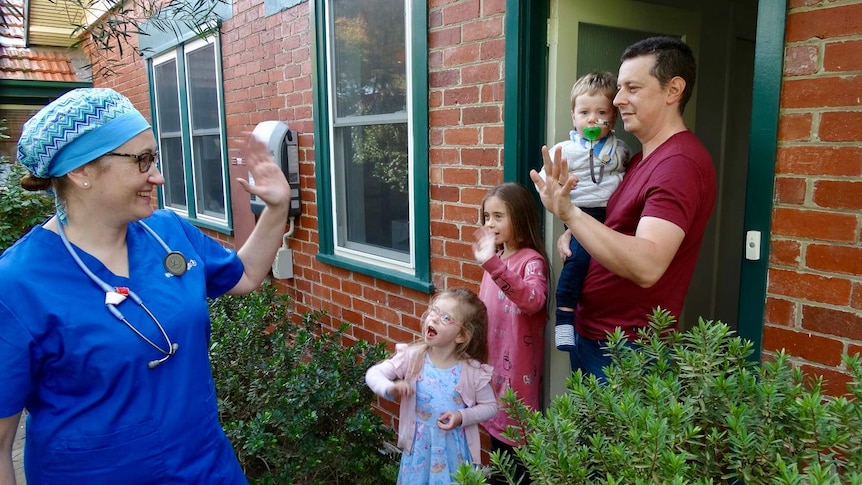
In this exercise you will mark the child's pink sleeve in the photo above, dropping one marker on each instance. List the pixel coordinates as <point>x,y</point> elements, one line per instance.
<point>381,376</point>
<point>528,291</point>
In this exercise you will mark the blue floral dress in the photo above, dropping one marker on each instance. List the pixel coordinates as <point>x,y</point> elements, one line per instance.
<point>436,453</point>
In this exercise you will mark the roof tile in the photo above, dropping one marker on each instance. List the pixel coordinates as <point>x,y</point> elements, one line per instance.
<point>21,62</point>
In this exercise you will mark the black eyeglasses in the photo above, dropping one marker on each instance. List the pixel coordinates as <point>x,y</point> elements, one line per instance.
<point>145,160</point>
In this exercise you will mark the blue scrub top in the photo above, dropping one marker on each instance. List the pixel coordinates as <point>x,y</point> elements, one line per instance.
<point>97,413</point>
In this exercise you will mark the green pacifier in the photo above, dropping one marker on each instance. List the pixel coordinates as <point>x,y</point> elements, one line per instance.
<point>592,132</point>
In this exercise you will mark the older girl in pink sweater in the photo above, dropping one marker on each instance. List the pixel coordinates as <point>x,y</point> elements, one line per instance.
<point>515,289</point>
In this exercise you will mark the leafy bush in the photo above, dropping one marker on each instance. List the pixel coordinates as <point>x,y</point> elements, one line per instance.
<point>292,398</point>
<point>20,210</point>
<point>690,408</point>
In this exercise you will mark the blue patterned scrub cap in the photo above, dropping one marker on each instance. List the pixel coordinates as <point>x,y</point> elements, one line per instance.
<point>77,128</point>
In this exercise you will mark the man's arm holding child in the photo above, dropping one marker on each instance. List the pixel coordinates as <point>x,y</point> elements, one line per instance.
<point>642,258</point>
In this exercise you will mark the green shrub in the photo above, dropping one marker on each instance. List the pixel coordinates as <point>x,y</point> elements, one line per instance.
<point>293,399</point>
<point>20,209</point>
<point>690,408</point>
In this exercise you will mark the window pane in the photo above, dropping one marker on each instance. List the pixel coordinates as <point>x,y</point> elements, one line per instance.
<point>206,139</point>
<point>170,134</point>
<point>209,186</point>
<point>203,93</point>
<point>372,193</point>
<point>369,57</point>
<point>167,97</point>
<point>173,171</point>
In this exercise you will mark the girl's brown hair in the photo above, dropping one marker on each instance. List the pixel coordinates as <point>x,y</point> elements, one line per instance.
<point>473,315</point>
<point>523,212</point>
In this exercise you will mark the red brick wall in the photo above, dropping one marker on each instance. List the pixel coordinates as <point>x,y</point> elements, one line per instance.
<point>814,294</point>
<point>466,56</point>
<point>466,83</point>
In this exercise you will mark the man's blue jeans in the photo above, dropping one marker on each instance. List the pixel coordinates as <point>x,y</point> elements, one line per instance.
<point>591,355</point>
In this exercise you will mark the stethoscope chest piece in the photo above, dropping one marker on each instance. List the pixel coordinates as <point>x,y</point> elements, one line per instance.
<point>175,263</point>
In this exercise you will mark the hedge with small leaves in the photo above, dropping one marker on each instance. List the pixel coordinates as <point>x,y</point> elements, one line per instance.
<point>689,408</point>
<point>20,210</point>
<point>293,399</point>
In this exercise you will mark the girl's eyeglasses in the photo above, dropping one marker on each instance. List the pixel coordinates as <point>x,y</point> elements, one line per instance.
<point>145,160</point>
<point>444,317</point>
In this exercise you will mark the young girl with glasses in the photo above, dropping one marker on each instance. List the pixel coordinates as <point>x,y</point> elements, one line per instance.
<point>444,388</point>
<point>514,289</point>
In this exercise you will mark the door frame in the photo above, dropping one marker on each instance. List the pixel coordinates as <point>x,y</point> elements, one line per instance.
<point>524,130</point>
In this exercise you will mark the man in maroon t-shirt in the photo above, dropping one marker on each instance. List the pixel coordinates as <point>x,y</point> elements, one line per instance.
<point>645,253</point>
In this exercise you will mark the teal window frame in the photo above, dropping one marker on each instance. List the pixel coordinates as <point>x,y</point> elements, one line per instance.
<point>416,274</point>
<point>155,43</point>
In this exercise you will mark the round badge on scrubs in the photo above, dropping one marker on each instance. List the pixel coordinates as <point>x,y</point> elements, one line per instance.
<point>175,263</point>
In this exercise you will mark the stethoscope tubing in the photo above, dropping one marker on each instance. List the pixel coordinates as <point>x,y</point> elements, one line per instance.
<point>112,308</point>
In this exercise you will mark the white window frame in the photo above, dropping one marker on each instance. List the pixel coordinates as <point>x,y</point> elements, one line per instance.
<point>180,54</point>
<point>363,253</point>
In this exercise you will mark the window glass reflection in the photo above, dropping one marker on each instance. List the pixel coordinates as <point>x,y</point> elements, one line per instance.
<point>172,168</point>
<point>369,57</point>
<point>375,200</point>
<point>167,97</point>
<point>170,134</point>
<point>209,190</point>
<point>203,90</point>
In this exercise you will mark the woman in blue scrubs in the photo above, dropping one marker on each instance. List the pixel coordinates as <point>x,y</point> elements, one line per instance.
<point>104,325</point>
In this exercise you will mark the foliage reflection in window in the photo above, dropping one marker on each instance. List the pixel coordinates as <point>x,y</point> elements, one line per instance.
<point>370,129</point>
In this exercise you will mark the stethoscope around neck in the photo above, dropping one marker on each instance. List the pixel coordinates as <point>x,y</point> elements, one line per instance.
<point>174,262</point>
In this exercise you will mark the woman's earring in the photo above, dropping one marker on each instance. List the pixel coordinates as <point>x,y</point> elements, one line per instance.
<point>86,184</point>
